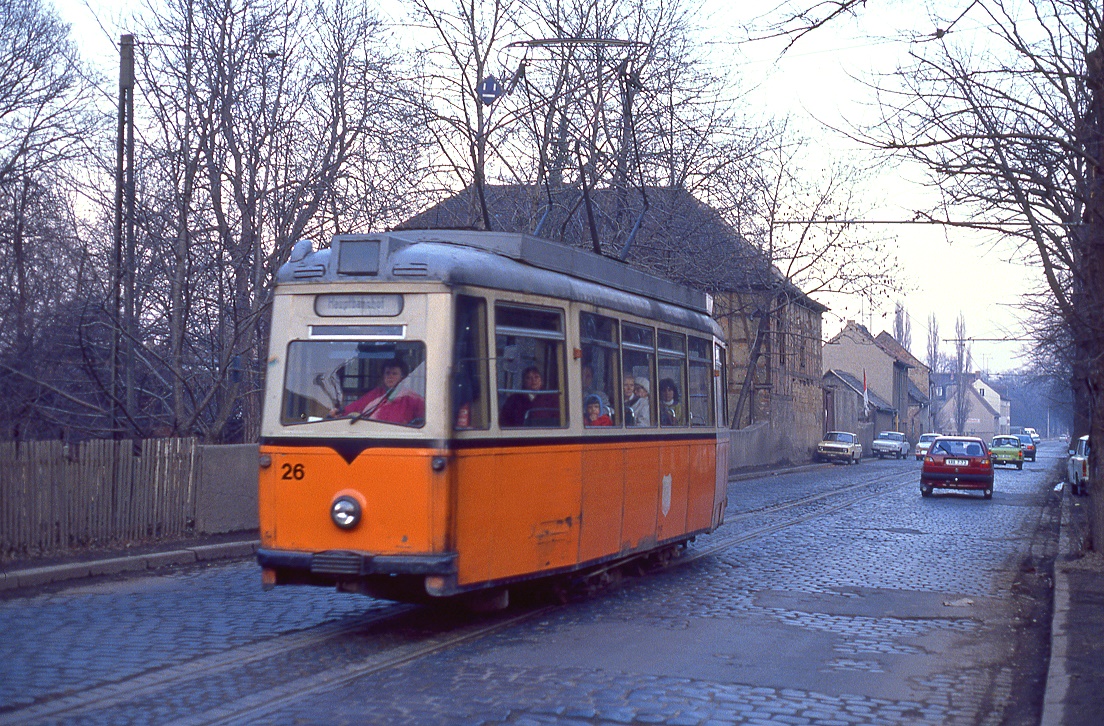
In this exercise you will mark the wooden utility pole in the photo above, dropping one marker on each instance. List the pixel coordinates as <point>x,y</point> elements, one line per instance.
<point>122,345</point>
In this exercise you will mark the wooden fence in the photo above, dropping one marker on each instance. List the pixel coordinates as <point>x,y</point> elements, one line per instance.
<point>56,496</point>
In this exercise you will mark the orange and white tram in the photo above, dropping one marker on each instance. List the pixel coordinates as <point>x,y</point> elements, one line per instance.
<point>451,411</point>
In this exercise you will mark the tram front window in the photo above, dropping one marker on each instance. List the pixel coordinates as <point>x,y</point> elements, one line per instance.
<point>381,381</point>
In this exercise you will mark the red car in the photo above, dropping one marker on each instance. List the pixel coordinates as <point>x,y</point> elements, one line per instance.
<point>957,462</point>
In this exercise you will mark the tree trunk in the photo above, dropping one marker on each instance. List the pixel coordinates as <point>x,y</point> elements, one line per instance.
<point>1092,335</point>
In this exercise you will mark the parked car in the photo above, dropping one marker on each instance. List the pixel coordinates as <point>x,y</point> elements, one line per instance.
<point>891,443</point>
<point>839,446</point>
<point>1028,444</point>
<point>1006,450</point>
<point>957,462</point>
<point>1077,468</point>
<point>1033,434</point>
<point>924,443</point>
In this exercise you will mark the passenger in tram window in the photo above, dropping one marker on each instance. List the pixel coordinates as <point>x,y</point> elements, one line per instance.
<point>531,409</point>
<point>389,402</point>
<point>639,404</point>
<point>630,398</point>
<point>670,407</point>
<point>595,413</point>
<point>590,389</point>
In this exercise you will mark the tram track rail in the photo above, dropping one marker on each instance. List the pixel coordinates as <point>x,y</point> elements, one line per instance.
<point>265,701</point>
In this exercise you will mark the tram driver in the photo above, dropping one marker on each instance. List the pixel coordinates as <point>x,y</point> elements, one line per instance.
<point>388,402</point>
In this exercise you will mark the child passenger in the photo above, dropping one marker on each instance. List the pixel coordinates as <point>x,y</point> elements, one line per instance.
<point>594,415</point>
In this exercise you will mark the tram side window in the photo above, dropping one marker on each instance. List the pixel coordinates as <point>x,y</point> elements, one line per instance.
<point>599,370</point>
<point>470,408</point>
<point>638,374</point>
<point>721,363</point>
<point>529,371</point>
<point>382,381</point>
<point>699,392</point>
<point>671,398</point>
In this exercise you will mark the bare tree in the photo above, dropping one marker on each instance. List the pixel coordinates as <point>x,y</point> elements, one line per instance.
<point>1013,136</point>
<point>931,356</point>
<point>963,383</point>
<point>258,125</point>
<point>462,53</point>
<point>45,122</point>
<point>902,326</point>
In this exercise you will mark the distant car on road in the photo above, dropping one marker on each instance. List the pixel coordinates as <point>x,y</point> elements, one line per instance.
<point>1006,450</point>
<point>957,462</point>
<point>1033,434</point>
<point>839,446</point>
<point>1028,444</point>
<point>891,443</point>
<point>924,443</point>
<point>1077,468</point>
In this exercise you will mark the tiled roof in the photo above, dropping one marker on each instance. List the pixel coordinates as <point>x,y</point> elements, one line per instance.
<point>679,237</point>
<point>890,345</point>
<point>856,385</point>
<point>916,395</point>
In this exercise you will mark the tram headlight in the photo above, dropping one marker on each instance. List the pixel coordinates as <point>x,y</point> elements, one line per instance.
<point>345,512</point>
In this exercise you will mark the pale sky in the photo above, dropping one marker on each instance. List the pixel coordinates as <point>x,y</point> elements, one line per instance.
<point>946,271</point>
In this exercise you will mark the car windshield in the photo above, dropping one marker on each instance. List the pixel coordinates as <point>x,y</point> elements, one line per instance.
<point>1026,438</point>
<point>839,436</point>
<point>1006,441</point>
<point>891,435</point>
<point>380,381</point>
<point>928,438</point>
<point>957,447</point>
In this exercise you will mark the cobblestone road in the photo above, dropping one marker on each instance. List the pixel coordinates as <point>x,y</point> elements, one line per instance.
<point>894,609</point>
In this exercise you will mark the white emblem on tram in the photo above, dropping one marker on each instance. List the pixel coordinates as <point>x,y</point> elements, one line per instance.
<point>665,502</point>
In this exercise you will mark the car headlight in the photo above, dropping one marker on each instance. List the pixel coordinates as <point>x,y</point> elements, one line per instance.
<point>345,512</point>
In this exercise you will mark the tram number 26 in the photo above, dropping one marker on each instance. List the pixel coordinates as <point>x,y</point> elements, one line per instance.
<point>292,471</point>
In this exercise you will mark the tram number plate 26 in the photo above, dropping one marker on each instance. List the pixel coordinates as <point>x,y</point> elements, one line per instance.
<point>292,471</point>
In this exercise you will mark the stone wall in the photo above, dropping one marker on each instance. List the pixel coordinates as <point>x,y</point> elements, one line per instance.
<point>226,489</point>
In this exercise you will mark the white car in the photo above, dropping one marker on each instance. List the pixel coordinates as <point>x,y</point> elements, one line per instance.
<point>1077,468</point>
<point>1033,434</point>
<point>891,443</point>
<point>924,444</point>
<point>839,446</point>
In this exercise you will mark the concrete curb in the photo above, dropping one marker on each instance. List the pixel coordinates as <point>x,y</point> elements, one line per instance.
<point>1058,680</point>
<point>760,474</point>
<point>37,576</point>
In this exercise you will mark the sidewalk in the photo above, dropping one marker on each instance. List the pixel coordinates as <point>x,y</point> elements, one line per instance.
<point>34,573</point>
<point>1075,678</point>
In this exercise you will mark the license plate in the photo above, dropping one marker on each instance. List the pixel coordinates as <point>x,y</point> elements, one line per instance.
<point>958,462</point>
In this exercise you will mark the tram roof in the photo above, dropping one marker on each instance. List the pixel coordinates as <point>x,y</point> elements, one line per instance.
<point>504,261</point>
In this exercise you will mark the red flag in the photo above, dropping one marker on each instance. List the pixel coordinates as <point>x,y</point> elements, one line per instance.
<point>866,397</point>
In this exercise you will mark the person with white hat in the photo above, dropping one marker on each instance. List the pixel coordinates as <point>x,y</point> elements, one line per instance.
<point>640,405</point>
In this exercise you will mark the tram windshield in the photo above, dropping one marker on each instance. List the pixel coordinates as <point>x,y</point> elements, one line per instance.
<point>381,381</point>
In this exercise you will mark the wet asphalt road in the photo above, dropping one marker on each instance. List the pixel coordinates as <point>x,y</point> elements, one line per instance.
<point>832,595</point>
